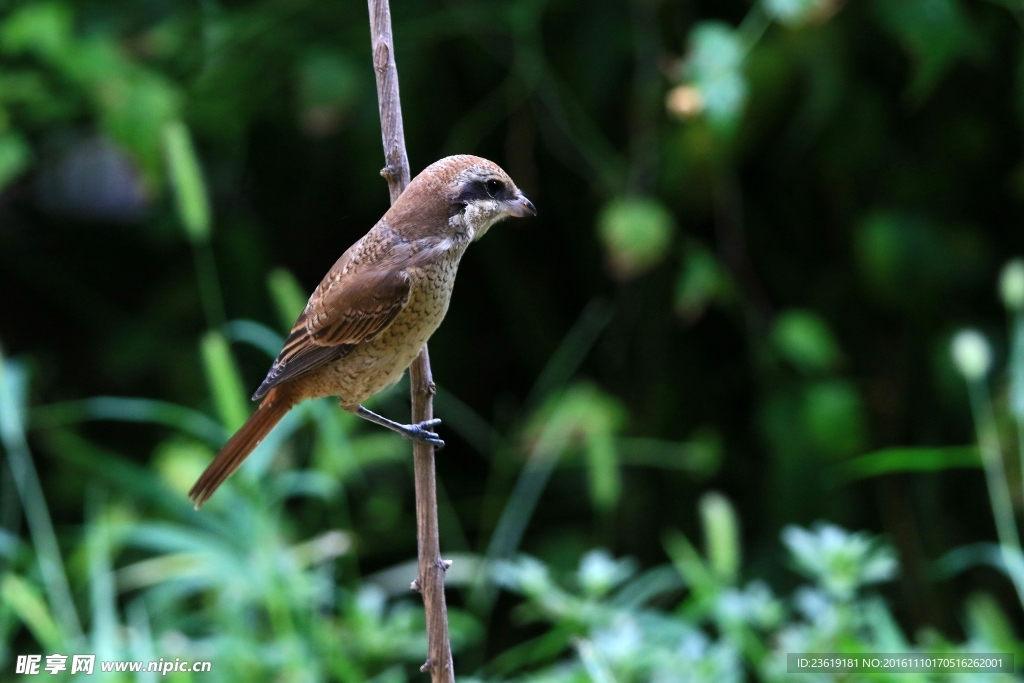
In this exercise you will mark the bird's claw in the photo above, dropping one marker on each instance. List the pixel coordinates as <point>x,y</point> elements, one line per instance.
<point>421,432</point>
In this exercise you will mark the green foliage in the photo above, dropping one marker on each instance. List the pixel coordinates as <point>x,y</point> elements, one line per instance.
<point>819,191</point>
<point>911,460</point>
<point>287,295</point>
<point>187,180</point>
<point>839,561</point>
<point>224,381</point>
<point>619,632</point>
<point>796,12</point>
<point>935,32</point>
<point>702,281</point>
<point>833,417</point>
<point>131,102</point>
<point>636,233</point>
<point>15,156</point>
<point>715,66</point>
<point>721,530</point>
<point>328,88</point>
<point>908,260</point>
<point>803,338</point>
<point>27,605</point>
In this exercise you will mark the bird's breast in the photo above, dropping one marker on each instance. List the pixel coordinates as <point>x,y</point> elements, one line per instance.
<point>378,363</point>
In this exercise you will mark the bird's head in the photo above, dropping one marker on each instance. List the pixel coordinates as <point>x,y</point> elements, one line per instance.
<point>473,193</point>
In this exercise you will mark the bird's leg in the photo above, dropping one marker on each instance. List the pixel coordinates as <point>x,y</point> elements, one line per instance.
<point>416,432</point>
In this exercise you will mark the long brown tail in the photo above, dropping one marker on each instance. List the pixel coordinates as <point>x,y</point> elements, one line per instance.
<point>278,402</point>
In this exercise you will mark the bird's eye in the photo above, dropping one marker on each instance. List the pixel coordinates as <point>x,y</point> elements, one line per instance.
<point>494,187</point>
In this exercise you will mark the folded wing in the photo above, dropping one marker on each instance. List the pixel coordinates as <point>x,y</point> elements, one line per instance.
<point>345,311</point>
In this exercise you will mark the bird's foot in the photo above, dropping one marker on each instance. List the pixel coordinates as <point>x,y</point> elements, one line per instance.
<point>421,432</point>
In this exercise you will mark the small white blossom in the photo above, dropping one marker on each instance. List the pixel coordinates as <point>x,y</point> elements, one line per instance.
<point>1011,285</point>
<point>972,354</point>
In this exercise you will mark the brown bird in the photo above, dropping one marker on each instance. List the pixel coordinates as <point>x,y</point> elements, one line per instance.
<point>375,309</point>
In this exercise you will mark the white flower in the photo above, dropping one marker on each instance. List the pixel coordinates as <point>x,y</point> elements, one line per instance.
<point>972,354</point>
<point>1011,285</point>
<point>840,561</point>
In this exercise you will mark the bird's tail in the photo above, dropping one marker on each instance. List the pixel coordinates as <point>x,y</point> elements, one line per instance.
<point>278,402</point>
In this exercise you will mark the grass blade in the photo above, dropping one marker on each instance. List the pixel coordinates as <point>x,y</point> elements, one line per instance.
<point>572,351</point>
<point>13,390</point>
<point>229,395</point>
<point>926,459</point>
<point>23,599</point>
<point>104,625</point>
<point>184,419</point>
<point>186,178</point>
<point>288,296</point>
<point>257,334</point>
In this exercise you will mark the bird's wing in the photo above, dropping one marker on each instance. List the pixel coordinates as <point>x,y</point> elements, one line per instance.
<point>344,311</point>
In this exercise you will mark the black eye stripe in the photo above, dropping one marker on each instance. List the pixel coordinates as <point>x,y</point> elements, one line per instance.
<point>484,189</point>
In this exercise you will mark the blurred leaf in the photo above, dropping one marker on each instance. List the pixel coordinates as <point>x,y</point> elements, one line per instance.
<point>333,451</point>
<point>262,337</point>
<point>179,463</point>
<point>171,415</point>
<point>797,12</point>
<point>987,623</point>
<point>652,583</point>
<point>909,460</point>
<point>701,282</point>
<point>583,413</point>
<point>15,156</point>
<point>885,632</point>
<point>327,88</point>
<point>804,339</point>
<point>593,662</point>
<point>468,424</point>
<point>42,28</point>
<point>25,601</point>
<point>13,401</point>
<point>186,177</point>
<point>696,574</point>
<point>833,417</point>
<point>110,469</point>
<point>603,467</point>
<point>1015,369</point>
<point>535,651</point>
<point>715,66</point>
<point>104,623</point>
<point>225,383</point>
<point>566,360</point>
<point>702,455</point>
<point>935,32</point>
<point>288,296</point>
<point>721,535</point>
<point>636,232</point>
<point>909,261</point>
<point>137,107</point>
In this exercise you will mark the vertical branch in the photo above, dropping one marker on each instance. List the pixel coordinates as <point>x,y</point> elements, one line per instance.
<point>396,171</point>
<point>431,567</point>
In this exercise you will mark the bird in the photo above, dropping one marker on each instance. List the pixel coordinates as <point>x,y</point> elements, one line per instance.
<point>378,305</point>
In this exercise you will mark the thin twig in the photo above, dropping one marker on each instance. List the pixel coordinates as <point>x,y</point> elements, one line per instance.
<point>431,567</point>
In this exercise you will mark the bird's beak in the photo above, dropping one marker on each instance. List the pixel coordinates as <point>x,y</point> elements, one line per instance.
<point>521,207</point>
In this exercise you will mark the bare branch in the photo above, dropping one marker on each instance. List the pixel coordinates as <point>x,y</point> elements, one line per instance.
<point>396,171</point>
